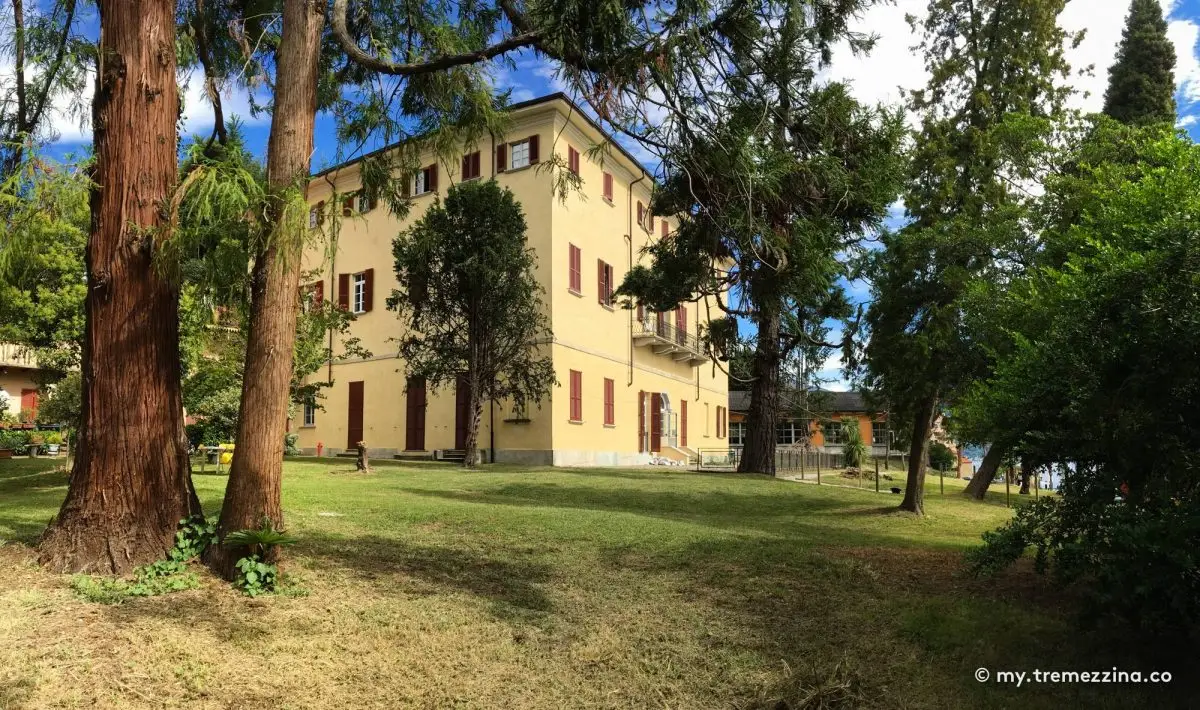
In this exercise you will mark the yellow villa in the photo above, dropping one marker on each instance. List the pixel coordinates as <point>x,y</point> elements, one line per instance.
<point>632,385</point>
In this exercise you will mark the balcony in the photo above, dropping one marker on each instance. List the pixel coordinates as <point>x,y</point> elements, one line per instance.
<point>656,332</point>
<point>17,356</point>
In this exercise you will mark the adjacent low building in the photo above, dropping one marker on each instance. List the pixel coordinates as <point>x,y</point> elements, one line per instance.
<point>633,384</point>
<point>816,420</point>
<point>18,381</point>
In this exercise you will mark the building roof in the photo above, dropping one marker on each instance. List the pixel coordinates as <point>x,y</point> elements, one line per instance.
<point>549,98</point>
<point>819,400</point>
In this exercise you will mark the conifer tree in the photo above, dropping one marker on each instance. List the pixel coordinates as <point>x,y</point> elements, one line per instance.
<point>1141,83</point>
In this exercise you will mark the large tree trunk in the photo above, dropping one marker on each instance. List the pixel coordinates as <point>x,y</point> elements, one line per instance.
<point>475,411</point>
<point>758,449</point>
<point>918,452</point>
<point>131,484</point>
<point>255,478</point>
<point>977,487</point>
<point>1026,473</point>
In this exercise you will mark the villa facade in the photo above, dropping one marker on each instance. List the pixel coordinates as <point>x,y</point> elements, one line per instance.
<point>632,385</point>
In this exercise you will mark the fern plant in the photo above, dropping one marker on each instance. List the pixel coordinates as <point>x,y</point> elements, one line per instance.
<point>255,575</point>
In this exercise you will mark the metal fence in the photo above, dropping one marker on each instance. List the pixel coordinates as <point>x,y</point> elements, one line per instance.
<point>787,460</point>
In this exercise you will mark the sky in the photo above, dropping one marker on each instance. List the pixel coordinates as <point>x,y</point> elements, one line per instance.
<point>875,78</point>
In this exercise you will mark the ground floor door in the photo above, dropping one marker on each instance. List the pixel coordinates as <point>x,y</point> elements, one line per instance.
<point>461,405</point>
<point>414,417</point>
<point>354,416</point>
<point>656,422</point>
<point>29,402</point>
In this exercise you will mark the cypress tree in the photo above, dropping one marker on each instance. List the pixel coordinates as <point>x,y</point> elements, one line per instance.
<point>1141,83</point>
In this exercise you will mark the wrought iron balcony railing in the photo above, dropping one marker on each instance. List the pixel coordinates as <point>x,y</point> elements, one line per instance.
<point>666,339</point>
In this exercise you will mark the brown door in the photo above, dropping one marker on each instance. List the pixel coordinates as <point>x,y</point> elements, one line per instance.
<point>29,402</point>
<point>414,419</point>
<point>354,417</point>
<point>655,422</point>
<point>641,422</point>
<point>460,413</point>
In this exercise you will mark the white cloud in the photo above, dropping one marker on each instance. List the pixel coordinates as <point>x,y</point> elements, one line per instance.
<point>893,64</point>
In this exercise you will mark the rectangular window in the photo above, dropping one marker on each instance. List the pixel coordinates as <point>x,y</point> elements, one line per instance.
<point>573,160</point>
<point>683,422</point>
<point>832,432</point>
<point>737,433</point>
<point>576,396</point>
<point>312,296</point>
<point>608,187</point>
<point>720,422</point>
<point>313,219</point>
<point>470,166</point>
<point>310,414</point>
<point>785,434</point>
<point>610,415</point>
<point>879,433</point>
<point>426,180</point>
<point>666,229</point>
<point>364,203</point>
<point>575,269</point>
<point>604,286</point>
<point>519,154</point>
<point>360,293</point>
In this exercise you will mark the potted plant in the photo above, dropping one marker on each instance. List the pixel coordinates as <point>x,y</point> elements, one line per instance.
<point>53,443</point>
<point>36,440</point>
<point>6,444</point>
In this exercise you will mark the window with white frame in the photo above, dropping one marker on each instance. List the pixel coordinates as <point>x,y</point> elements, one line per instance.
<point>313,218</point>
<point>360,293</point>
<point>520,154</point>
<point>737,433</point>
<point>310,414</point>
<point>834,434</point>
<point>879,433</point>
<point>785,433</point>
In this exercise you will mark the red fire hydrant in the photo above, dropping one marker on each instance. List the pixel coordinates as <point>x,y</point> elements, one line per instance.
<point>319,447</point>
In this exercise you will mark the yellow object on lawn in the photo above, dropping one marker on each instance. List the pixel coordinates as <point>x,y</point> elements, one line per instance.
<point>226,453</point>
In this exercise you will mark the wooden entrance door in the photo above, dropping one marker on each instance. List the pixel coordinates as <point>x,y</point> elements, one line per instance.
<point>29,402</point>
<point>354,416</point>
<point>656,422</point>
<point>460,413</point>
<point>414,418</point>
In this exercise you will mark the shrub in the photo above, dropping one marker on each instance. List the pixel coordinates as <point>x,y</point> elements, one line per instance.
<point>942,457</point>
<point>855,448</point>
<point>255,575</point>
<point>161,577</point>
<point>289,444</point>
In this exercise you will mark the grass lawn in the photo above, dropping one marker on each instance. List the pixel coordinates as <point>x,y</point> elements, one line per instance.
<point>431,587</point>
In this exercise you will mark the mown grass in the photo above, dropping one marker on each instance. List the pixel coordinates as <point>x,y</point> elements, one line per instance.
<point>432,587</point>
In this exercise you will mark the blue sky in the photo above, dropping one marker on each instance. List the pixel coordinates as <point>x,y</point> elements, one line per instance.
<point>876,77</point>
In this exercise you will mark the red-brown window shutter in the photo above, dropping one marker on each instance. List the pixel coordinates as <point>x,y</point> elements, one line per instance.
<point>432,185</point>
<point>641,215</point>
<point>608,281</point>
<point>475,169</point>
<point>466,167</point>
<point>533,149</point>
<point>572,160</point>
<point>608,187</point>
<point>576,396</point>
<point>373,201</point>
<point>574,277</point>
<point>609,413</point>
<point>666,228</point>
<point>319,292</point>
<point>368,290</point>
<point>683,422</point>
<point>321,212</point>
<point>348,205</point>
<point>641,421</point>
<point>641,310</point>
<point>343,296</point>
<point>501,158</point>
<point>600,282</point>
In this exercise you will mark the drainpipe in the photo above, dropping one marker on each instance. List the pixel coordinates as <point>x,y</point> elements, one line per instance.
<point>492,428</point>
<point>629,239</point>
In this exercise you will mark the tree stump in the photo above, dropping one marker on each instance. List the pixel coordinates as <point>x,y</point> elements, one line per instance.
<point>362,464</point>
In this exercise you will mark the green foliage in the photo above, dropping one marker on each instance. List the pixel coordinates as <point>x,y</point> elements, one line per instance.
<point>289,444</point>
<point>161,577</point>
<point>1097,363</point>
<point>470,298</point>
<point>62,403</point>
<point>996,87</point>
<point>1141,82</point>
<point>256,577</point>
<point>854,448</point>
<point>942,457</point>
<point>15,439</point>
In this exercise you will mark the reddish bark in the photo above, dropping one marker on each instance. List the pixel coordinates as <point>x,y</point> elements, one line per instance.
<point>255,478</point>
<point>131,484</point>
<point>918,455</point>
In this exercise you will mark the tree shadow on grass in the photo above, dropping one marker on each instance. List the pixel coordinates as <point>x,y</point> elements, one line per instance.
<point>796,516</point>
<point>512,587</point>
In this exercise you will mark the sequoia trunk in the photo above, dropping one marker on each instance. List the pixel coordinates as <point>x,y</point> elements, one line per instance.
<point>758,453</point>
<point>255,478</point>
<point>918,451</point>
<point>977,487</point>
<point>130,484</point>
